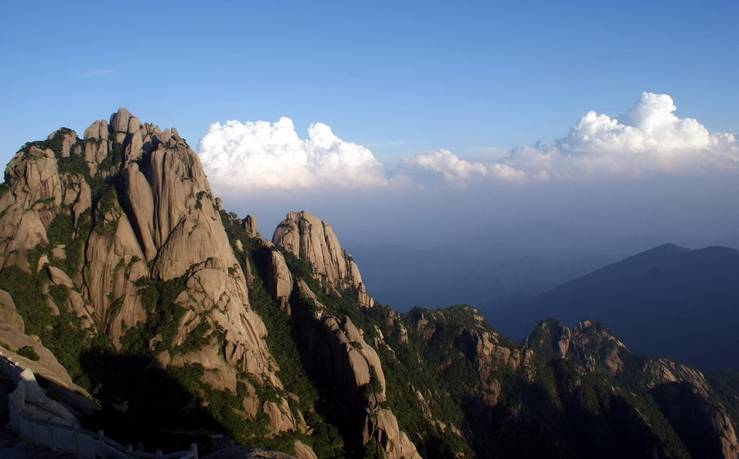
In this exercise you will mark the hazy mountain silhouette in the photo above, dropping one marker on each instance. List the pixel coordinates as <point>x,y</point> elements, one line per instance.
<point>404,277</point>
<point>668,301</point>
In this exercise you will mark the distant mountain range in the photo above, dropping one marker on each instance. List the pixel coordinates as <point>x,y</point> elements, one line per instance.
<point>404,277</point>
<point>669,301</point>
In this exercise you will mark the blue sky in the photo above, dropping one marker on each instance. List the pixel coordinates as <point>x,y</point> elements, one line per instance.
<point>398,77</point>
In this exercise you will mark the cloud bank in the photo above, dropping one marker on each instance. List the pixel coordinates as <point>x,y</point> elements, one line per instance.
<point>456,170</point>
<point>648,139</point>
<point>263,155</point>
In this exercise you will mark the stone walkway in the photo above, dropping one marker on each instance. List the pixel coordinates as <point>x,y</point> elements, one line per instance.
<point>12,447</point>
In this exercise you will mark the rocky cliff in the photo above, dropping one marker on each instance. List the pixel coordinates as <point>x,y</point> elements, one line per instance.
<point>126,278</point>
<point>311,239</point>
<point>121,236</point>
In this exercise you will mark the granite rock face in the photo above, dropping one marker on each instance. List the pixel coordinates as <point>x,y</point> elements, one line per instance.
<point>14,341</point>
<point>250,226</point>
<point>348,368</point>
<point>126,208</point>
<point>311,239</point>
<point>8,314</point>
<point>279,278</point>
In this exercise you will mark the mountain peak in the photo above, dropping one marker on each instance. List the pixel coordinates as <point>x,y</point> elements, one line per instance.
<point>312,240</point>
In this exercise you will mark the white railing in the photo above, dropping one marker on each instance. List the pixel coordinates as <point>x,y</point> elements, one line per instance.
<point>71,440</point>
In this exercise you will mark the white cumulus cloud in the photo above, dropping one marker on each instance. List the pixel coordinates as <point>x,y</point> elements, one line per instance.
<point>457,170</point>
<point>264,155</point>
<point>648,139</point>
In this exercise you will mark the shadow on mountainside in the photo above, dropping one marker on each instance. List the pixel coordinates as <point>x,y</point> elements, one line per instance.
<point>689,415</point>
<point>145,406</point>
<point>581,421</point>
<point>338,405</point>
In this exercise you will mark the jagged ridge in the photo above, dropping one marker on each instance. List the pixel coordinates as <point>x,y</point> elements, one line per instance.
<point>117,255</point>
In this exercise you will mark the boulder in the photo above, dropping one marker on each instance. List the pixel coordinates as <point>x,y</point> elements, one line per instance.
<point>394,442</point>
<point>59,277</point>
<point>279,279</point>
<point>9,314</point>
<point>279,416</point>
<point>98,130</point>
<point>303,451</point>
<point>250,226</point>
<point>119,120</point>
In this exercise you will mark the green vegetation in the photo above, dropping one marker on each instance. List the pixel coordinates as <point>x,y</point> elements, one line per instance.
<point>164,315</point>
<point>59,294</point>
<point>74,165</point>
<point>60,333</point>
<point>195,339</point>
<point>106,203</point>
<point>224,407</point>
<point>112,162</point>
<point>28,352</point>
<point>61,231</point>
<point>25,289</point>
<point>54,143</point>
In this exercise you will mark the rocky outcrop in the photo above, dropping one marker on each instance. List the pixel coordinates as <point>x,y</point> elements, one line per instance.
<point>280,417</point>
<point>660,371</point>
<point>9,314</point>
<point>42,361</point>
<point>393,442</point>
<point>250,226</point>
<point>589,344</point>
<point>592,348</point>
<point>28,206</point>
<point>120,212</point>
<point>550,339</point>
<point>311,239</point>
<point>350,371</point>
<point>676,385</point>
<point>303,451</point>
<point>114,264</point>
<point>278,276</point>
<point>29,355</point>
<point>356,367</point>
<point>489,352</point>
<point>140,202</point>
<point>463,329</point>
<point>703,423</point>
